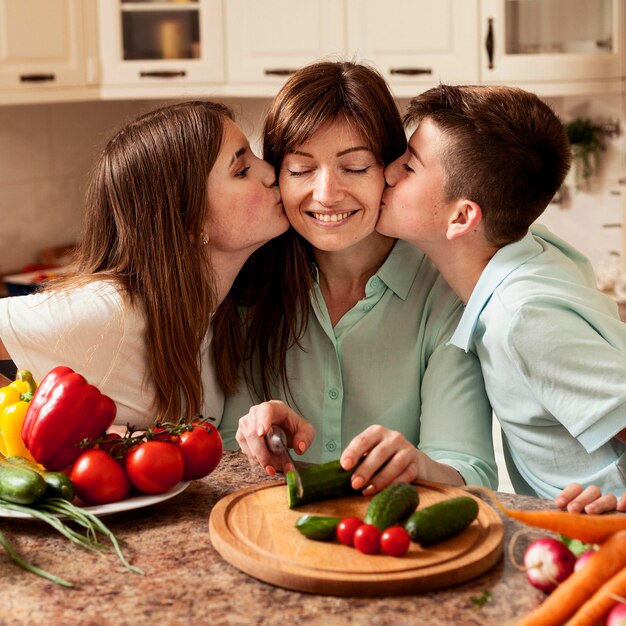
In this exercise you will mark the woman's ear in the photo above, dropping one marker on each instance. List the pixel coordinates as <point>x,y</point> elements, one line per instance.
<point>465,218</point>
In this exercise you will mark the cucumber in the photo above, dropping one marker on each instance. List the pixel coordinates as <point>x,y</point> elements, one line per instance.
<point>442,520</point>
<point>392,504</point>
<point>327,480</point>
<point>318,527</point>
<point>19,484</point>
<point>58,484</point>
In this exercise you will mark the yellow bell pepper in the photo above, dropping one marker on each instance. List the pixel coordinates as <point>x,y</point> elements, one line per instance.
<point>14,399</point>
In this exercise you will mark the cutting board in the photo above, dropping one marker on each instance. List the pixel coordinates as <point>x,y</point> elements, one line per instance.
<point>253,529</point>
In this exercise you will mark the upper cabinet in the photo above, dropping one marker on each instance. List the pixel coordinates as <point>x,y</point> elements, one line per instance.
<point>150,42</point>
<point>269,40</point>
<point>553,42</point>
<point>43,45</point>
<point>416,42</point>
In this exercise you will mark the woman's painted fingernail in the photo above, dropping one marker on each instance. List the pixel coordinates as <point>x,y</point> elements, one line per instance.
<point>369,489</point>
<point>357,482</point>
<point>260,431</point>
<point>347,464</point>
<point>269,469</point>
<point>302,446</point>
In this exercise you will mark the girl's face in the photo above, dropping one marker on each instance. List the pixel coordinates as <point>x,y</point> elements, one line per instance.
<point>245,210</point>
<point>331,187</point>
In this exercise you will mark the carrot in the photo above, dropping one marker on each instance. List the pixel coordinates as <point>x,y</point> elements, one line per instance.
<point>587,528</point>
<point>601,602</point>
<point>565,600</point>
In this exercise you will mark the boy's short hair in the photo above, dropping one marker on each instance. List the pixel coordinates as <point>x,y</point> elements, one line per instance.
<point>505,149</point>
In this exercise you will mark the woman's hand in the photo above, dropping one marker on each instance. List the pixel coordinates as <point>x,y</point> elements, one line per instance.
<point>391,458</point>
<point>577,499</point>
<point>254,425</point>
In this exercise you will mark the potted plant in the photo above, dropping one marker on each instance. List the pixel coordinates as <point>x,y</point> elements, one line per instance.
<point>587,141</point>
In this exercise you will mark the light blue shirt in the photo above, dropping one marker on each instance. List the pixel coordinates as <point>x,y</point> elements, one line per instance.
<point>386,362</point>
<point>553,354</point>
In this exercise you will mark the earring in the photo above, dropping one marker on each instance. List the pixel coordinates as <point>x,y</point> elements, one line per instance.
<point>205,238</point>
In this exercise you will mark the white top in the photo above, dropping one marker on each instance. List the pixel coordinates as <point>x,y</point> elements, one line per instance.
<point>96,331</point>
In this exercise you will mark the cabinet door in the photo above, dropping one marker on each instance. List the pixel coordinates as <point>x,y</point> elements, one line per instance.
<point>157,42</point>
<point>271,39</point>
<point>552,40</point>
<point>417,41</point>
<point>41,43</point>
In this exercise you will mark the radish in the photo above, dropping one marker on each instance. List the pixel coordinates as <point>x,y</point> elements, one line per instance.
<point>583,558</point>
<point>548,562</point>
<point>617,615</point>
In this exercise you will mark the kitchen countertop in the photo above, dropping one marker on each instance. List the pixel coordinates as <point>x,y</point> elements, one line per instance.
<point>186,581</point>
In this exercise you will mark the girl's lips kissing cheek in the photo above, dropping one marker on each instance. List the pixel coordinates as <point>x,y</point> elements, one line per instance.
<point>328,218</point>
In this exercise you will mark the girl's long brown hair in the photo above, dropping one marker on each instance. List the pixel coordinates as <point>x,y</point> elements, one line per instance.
<point>146,208</point>
<point>276,281</point>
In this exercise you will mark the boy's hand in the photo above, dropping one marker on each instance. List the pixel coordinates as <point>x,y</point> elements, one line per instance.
<point>254,425</point>
<point>391,458</point>
<point>576,499</point>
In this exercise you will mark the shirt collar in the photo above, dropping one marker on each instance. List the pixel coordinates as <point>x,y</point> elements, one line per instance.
<point>506,260</point>
<point>400,268</point>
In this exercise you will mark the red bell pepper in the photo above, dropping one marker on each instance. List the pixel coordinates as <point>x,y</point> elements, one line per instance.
<point>64,411</point>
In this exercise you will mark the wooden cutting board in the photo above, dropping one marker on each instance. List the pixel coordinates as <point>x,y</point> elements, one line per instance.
<point>253,529</point>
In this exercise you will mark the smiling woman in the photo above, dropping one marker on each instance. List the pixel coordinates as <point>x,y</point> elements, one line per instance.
<point>176,203</point>
<point>353,326</point>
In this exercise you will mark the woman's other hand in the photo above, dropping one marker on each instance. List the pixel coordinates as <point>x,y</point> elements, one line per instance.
<point>254,425</point>
<point>577,499</point>
<point>391,458</point>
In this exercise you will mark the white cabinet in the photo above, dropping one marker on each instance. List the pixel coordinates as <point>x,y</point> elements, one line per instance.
<point>161,42</point>
<point>553,42</point>
<point>269,40</point>
<point>43,45</point>
<point>416,42</point>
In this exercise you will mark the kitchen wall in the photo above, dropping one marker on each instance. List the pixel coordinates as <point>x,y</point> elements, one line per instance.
<point>46,151</point>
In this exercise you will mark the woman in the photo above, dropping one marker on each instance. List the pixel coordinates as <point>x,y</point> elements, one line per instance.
<point>353,325</point>
<point>175,205</point>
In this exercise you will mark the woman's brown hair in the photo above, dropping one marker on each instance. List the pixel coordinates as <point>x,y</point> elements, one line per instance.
<point>276,281</point>
<point>146,208</point>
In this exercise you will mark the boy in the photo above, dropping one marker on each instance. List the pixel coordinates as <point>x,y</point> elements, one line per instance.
<point>482,165</point>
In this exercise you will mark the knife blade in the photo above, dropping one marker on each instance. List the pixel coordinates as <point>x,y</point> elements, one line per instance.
<point>276,441</point>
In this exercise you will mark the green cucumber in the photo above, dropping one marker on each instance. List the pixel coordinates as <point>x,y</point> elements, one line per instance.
<point>328,480</point>
<point>318,527</point>
<point>442,520</point>
<point>394,503</point>
<point>19,484</point>
<point>58,484</point>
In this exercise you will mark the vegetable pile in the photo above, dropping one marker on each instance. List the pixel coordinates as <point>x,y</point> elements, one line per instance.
<point>54,446</point>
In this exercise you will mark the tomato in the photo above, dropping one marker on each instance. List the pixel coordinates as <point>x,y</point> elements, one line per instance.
<point>98,478</point>
<point>367,539</point>
<point>154,466</point>
<point>395,541</point>
<point>201,449</point>
<point>111,443</point>
<point>346,529</point>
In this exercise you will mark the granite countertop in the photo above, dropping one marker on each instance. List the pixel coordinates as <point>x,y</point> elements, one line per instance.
<point>186,581</point>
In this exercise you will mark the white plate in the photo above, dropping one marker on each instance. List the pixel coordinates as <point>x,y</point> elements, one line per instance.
<point>136,502</point>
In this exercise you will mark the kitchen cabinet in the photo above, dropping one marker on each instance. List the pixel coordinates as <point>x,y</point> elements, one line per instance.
<point>416,42</point>
<point>46,45</point>
<point>554,43</point>
<point>161,42</point>
<point>267,41</point>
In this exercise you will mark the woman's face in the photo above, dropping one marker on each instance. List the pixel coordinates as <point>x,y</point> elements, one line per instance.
<point>245,210</point>
<point>331,187</point>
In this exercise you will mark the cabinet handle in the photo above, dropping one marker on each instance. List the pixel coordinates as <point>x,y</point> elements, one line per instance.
<point>280,72</point>
<point>163,74</point>
<point>410,71</point>
<point>37,78</point>
<point>489,42</point>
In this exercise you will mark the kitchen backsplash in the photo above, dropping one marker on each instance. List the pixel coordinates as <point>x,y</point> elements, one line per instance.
<point>46,152</point>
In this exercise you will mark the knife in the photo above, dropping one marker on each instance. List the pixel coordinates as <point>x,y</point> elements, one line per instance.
<point>276,441</point>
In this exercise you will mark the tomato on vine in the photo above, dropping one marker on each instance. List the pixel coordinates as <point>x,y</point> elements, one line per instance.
<point>154,466</point>
<point>98,478</point>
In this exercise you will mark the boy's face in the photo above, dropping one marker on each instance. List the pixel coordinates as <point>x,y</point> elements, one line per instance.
<point>414,203</point>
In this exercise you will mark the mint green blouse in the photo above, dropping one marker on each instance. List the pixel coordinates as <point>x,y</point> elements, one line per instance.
<point>387,362</point>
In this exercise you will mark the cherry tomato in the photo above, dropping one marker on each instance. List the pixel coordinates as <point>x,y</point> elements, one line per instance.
<point>154,466</point>
<point>111,443</point>
<point>395,541</point>
<point>367,539</point>
<point>346,529</point>
<point>98,478</point>
<point>202,450</point>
